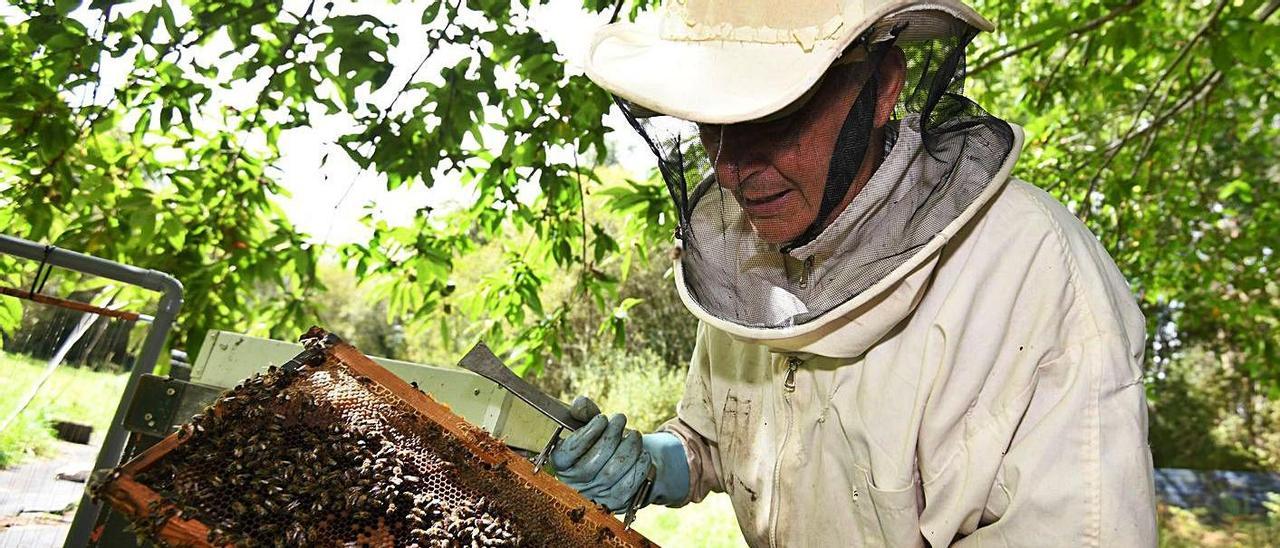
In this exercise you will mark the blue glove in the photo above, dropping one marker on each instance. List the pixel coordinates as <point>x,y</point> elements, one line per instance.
<point>607,462</point>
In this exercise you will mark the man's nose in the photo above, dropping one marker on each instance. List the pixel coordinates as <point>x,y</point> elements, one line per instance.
<point>743,150</point>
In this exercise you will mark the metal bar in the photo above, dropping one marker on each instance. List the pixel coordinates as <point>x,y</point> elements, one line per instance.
<point>480,360</point>
<point>73,305</point>
<point>541,460</point>
<point>170,290</point>
<point>641,498</point>
<point>163,403</point>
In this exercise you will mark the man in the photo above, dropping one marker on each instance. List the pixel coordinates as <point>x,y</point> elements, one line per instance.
<point>899,344</point>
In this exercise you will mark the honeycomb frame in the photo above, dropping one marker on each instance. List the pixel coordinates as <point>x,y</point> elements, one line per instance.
<point>503,478</point>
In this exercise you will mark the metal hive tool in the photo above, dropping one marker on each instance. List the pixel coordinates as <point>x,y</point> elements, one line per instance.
<point>332,449</point>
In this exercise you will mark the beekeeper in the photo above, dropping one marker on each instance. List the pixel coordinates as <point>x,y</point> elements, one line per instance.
<point>899,343</point>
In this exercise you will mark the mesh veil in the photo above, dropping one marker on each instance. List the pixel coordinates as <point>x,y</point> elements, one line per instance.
<point>931,162</point>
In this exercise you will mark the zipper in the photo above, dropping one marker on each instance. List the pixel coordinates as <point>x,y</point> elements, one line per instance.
<point>788,387</point>
<point>805,268</point>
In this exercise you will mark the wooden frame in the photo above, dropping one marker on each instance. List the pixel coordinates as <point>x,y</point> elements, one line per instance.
<point>139,503</point>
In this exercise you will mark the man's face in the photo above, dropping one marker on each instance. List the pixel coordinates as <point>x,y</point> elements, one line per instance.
<point>777,170</point>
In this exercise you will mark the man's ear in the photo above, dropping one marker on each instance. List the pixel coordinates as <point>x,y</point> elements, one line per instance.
<point>890,77</point>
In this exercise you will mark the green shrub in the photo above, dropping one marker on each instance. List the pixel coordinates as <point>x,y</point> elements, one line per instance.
<point>1196,527</point>
<point>1272,505</point>
<point>640,385</point>
<point>28,436</point>
<point>660,322</point>
<point>1208,414</point>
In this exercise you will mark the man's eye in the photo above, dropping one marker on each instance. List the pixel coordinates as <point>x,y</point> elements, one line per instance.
<point>710,138</point>
<point>781,126</point>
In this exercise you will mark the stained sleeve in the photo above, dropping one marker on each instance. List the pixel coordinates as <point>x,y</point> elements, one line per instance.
<point>1038,436</point>
<point>694,425</point>
<point>1077,470</point>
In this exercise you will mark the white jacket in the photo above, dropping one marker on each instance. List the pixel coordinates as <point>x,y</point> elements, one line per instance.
<point>988,392</point>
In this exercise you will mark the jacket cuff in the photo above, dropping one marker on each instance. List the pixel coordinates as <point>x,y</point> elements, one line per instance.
<point>671,482</point>
<point>702,475</point>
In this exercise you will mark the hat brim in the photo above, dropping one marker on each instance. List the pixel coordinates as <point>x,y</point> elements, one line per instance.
<point>725,82</point>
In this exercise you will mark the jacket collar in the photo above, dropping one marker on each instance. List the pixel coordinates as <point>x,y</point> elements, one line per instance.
<point>849,329</point>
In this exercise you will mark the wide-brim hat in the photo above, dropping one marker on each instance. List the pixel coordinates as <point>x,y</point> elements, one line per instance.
<point>728,61</point>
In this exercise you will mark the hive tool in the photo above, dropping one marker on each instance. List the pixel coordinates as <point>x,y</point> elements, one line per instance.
<point>482,361</point>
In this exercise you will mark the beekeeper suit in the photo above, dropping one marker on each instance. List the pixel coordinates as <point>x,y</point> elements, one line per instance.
<point>917,348</point>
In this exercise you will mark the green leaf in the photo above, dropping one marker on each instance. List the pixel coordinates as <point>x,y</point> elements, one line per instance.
<point>64,7</point>
<point>430,12</point>
<point>10,316</point>
<point>1236,188</point>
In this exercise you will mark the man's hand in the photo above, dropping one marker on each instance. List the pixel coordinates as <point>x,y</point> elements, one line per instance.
<point>607,462</point>
<point>603,460</point>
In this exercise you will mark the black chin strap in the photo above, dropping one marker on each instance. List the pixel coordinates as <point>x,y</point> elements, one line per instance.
<point>850,148</point>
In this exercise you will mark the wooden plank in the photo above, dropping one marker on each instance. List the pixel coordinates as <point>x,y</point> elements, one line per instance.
<point>73,305</point>
<point>137,501</point>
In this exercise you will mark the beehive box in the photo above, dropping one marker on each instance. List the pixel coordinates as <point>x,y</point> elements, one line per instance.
<point>332,449</point>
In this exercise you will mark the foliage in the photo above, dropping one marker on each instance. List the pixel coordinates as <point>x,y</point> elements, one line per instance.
<point>707,524</point>
<point>161,172</point>
<point>1206,414</point>
<point>156,174</point>
<point>638,385</point>
<point>73,394</point>
<point>1154,120</point>
<point>1188,528</point>
<point>344,309</point>
<point>659,323</point>
<point>10,317</point>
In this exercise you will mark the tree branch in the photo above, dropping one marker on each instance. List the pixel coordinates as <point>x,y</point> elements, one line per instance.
<point>1199,92</point>
<point>385,116</point>
<point>1137,116</point>
<point>1088,26</point>
<point>586,259</point>
<point>1268,10</point>
<point>1053,74</point>
<point>86,125</point>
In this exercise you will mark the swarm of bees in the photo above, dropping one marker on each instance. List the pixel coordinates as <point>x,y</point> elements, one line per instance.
<point>270,463</point>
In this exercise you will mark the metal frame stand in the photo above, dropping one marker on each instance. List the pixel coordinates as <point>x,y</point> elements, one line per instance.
<point>170,302</point>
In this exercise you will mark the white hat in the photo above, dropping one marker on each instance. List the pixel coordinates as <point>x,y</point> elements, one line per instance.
<point>727,61</point>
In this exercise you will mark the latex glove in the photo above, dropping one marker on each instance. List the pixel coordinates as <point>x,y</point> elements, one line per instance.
<point>607,462</point>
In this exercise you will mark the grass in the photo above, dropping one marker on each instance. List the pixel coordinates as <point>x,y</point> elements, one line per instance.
<point>1182,528</point>
<point>708,524</point>
<point>72,394</point>
<point>711,524</point>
